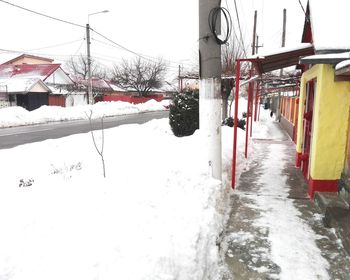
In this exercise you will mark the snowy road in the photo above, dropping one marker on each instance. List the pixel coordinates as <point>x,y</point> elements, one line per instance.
<point>11,137</point>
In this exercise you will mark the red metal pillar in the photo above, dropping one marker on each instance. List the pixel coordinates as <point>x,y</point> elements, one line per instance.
<point>259,97</point>
<point>248,115</point>
<point>256,101</point>
<point>234,157</point>
<point>251,108</point>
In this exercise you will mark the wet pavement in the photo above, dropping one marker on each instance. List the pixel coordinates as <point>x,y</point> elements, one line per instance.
<point>275,231</point>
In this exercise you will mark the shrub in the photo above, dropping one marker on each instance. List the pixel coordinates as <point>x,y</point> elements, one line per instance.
<point>184,114</point>
<point>230,122</point>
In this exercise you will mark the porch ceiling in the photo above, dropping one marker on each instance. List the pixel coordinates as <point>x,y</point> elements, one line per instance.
<point>283,57</point>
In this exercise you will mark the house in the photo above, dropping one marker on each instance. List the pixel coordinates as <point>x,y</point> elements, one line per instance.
<point>60,89</point>
<point>319,111</point>
<point>322,150</point>
<point>105,90</point>
<point>28,59</point>
<point>30,93</point>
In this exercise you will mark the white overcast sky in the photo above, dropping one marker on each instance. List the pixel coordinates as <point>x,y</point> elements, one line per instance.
<point>156,28</point>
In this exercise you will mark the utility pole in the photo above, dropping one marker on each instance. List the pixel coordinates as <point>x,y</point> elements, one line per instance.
<point>257,45</point>
<point>254,32</point>
<point>210,87</point>
<point>278,115</point>
<point>88,43</point>
<point>284,32</point>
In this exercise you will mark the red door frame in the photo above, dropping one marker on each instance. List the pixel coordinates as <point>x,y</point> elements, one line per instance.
<point>307,125</point>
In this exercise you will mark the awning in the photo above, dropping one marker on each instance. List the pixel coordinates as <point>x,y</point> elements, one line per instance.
<point>281,58</point>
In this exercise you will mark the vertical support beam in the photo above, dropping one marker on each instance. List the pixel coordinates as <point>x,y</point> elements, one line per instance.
<point>251,108</point>
<point>88,43</point>
<point>248,115</point>
<point>256,101</point>
<point>210,88</point>
<point>259,103</point>
<point>234,156</point>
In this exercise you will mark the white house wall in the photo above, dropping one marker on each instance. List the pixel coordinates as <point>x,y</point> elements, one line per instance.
<point>75,100</point>
<point>59,77</point>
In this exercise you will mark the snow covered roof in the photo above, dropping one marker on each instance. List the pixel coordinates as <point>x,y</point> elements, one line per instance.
<point>281,57</point>
<point>330,24</point>
<point>101,84</point>
<point>61,90</point>
<point>329,58</point>
<point>23,85</point>
<point>114,87</point>
<point>343,64</point>
<point>38,71</point>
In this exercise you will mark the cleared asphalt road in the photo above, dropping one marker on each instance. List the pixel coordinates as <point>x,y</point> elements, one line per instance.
<point>14,136</point>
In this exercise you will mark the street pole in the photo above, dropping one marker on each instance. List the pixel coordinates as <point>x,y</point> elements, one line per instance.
<point>210,88</point>
<point>88,43</point>
<point>90,98</point>
<point>278,115</point>
<point>254,32</point>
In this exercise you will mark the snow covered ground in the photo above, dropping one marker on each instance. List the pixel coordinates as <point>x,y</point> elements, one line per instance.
<point>156,215</point>
<point>16,116</point>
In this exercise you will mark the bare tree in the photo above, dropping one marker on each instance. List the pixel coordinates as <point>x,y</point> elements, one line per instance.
<point>140,75</point>
<point>99,151</point>
<point>78,68</point>
<point>229,54</point>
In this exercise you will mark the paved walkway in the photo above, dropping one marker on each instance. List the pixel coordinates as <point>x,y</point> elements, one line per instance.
<point>274,230</point>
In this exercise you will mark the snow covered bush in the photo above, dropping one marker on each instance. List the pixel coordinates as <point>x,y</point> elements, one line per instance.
<point>230,122</point>
<point>184,114</point>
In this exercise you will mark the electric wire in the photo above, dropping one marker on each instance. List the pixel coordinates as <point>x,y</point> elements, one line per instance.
<point>150,57</point>
<point>53,46</point>
<point>214,16</point>
<point>42,14</point>
<point>302,7</point>
<point>74,24</point>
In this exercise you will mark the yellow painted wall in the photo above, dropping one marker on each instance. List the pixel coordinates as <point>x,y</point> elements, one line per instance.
<point>329,127</point>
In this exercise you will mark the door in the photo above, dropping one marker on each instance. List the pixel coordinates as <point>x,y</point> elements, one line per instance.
<point>307,123</point>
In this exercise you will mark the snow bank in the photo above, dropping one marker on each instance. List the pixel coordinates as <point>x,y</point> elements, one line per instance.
<point>157,215</point>
<point>16,116</point>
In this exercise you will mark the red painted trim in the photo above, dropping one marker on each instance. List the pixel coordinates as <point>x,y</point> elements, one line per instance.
<point>234,156</point>
<point>322,186</point>
<point>298,160</point>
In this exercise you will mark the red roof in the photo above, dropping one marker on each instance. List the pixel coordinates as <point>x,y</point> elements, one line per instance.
<point>42,71</point>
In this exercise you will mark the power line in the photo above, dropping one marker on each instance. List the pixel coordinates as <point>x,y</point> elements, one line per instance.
<point>302,7</point>
<point>54,46</point>
<point>115,44</point>
<point>41,14</point>
<point>142,55</point>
